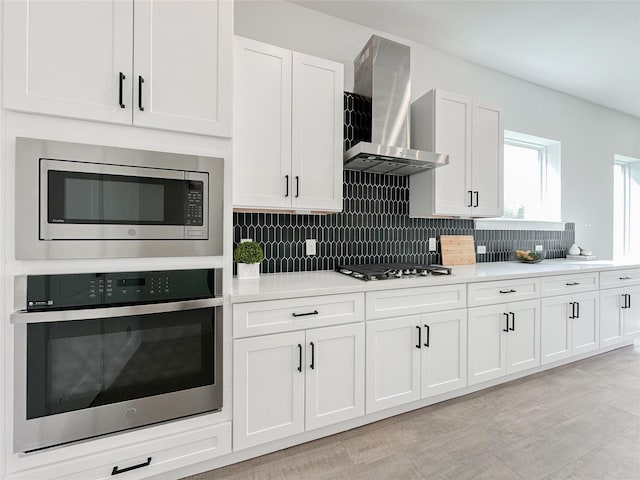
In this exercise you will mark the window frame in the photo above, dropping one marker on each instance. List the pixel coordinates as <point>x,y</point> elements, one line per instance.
<point>626,195</point>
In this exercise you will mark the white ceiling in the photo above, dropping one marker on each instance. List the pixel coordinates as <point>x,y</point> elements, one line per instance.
<point>589,49</point>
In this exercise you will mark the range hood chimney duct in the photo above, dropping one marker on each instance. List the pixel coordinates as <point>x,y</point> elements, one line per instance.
<point>382,73</point>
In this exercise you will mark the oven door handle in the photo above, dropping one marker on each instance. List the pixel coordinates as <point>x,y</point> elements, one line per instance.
<point>128,310</point>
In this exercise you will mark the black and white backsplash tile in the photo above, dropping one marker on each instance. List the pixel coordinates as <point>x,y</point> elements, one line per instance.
<point>374,227</point>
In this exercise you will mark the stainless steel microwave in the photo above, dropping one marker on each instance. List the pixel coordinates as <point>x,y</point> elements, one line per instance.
<point>88,201</point>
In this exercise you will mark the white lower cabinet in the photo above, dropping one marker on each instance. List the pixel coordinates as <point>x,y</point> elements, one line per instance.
<point>414,357</point>
<point>503,339</point>
<point>619,315</point>
<point>570,326</point>
<point>287,383</point>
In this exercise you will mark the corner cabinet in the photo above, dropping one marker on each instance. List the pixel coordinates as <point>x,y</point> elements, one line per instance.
<point>287,129</point>
<point>152,63</point>
<point>472,134</point>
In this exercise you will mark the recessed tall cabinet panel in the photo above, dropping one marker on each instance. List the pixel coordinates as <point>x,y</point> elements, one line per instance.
<point>287,129</point>
<point>68,58</point>
<point>181,64</point>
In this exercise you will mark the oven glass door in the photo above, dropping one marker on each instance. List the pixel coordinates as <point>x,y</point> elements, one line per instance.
<point>88,201</point>
<point>81,364</point>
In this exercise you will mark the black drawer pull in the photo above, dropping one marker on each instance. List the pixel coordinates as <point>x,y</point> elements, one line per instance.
<point>117,470</point>
<point>315,312</point>
<point>313,355</point>
<point>571,284</point>
<point>140,82</point>
<point>625,278</point>
<point>511,290</point>
<point>120,86</point>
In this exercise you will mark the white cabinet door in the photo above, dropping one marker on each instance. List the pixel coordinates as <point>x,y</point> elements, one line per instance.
<point>487,161</point>
<point>182,65</point>
<point>585,335</point>
<point>523,348</point>
<point>453,136</point>
<point>444,352</point>
<point>487,343</point>
<point>393,362</point>
<point>335,374</point>
<point>611,317</point>
<point>555,329</point>
<point>262,125</point>
<point>316,133</point>
<point>67,58</point>
<point>268,388</point>
<point>632,313</point>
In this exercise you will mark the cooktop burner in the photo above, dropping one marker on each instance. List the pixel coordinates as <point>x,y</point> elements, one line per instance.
<point>384,271</point>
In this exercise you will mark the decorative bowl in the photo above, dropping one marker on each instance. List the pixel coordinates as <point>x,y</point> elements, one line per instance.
<point>528,256</point>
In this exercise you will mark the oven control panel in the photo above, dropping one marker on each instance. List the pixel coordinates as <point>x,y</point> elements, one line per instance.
<point>87,290</point>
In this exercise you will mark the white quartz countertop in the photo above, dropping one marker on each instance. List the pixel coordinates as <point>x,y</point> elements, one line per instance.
<point>274,286</point>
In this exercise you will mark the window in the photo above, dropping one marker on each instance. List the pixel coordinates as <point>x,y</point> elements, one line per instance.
<point>626,200</point>
<point>531,178</point>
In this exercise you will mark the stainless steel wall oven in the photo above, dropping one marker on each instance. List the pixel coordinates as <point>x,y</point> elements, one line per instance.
<point>88,201</point>
<point>100,353</point>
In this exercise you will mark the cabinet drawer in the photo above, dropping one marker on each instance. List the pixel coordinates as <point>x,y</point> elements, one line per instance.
<point>411,301</point>
<point>166,453</point>
<point>276,316</point>
<point>568,284</point>
<point>620,278</point>
<point>488,293</point>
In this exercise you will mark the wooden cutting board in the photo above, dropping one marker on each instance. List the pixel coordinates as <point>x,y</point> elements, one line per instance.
<point>457,249</point>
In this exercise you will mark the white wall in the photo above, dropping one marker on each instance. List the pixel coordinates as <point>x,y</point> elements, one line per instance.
<point>590,134</point>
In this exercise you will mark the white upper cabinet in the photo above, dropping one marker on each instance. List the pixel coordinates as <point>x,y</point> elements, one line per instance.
<point>182,65</point>
<point>472,134</point>
<point>69,58</point>
<point>92,60</point>
<point>287,129</point>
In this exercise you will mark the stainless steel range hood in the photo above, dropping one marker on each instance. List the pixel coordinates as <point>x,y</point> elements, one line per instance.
<point>382,73</point>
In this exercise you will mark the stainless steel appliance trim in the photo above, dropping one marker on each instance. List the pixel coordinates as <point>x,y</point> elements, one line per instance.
<point>29,151</point>
<point>82,424</point>
<point>91,313</point>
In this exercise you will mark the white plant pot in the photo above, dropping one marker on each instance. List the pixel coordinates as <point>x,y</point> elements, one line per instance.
<point>248,270</point>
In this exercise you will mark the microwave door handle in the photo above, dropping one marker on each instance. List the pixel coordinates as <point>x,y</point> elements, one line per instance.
<point>92,313</point>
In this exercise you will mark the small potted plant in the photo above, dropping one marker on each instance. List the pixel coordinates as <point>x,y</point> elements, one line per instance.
<point>248,256</point>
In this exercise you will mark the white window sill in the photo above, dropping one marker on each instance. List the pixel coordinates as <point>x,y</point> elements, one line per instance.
<point>512,224</point>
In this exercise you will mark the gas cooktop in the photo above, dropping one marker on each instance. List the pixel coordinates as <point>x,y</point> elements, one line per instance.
<point>385,271</point>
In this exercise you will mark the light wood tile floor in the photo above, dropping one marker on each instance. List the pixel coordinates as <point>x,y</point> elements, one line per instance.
<point>579,421</point>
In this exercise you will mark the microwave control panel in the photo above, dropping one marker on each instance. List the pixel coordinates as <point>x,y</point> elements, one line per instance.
<point>193,215</point>
<point>92,290</point>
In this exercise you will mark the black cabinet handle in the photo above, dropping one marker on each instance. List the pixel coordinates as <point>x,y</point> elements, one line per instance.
<point>506,328</point>
<point>513,321</point>
<point>577,309</point>
<point>470,198</point>
<point>419,345</point>
<point>629,297</point>
<point>624,278</point>
<point>573,310</point>
<point>624,297</point>
<point>117,470</point>
<point>300,357</point>
<point>426,343</point>
<point>571,284</point>
<point>477,198</point>
<point>511,290</point>
<point>120,87</point>
<point>313,355</point>
<point>286,181</point>
<point>140,82</point>
<point>315,312</point>
<point>297,186</point>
